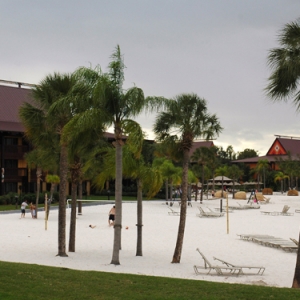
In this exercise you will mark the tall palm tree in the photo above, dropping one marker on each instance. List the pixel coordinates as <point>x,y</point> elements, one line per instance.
<point>115,107</point>
<point>42,119</point>
<point>185,118</point>
<point>285,65</point>
<point>284,83</point>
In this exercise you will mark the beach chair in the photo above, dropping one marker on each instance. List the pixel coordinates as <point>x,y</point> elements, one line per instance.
<point>249,206</point>
<point>284,212</point>
<point>247,270</point>
<point>209,213</point>
<point>270,241</point>
<point>295,241</point>
<point>265,201</point>
<point>220,270</point>
<point>173,212</point>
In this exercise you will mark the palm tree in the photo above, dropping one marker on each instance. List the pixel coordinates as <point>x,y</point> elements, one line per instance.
<point>261,166</point>
<point>114,106</point>
<point>54,181</point>
<point>234,172</point>
<point>170,173</point>
<point>202,156</point>
<point>280,176</point>
<point>222,171</point>
<point>148,179</point>
<point>185,118</point>
<point>46,117</point>
<point>285,65</point>
<point>41,158</point>
<point>283,83</point>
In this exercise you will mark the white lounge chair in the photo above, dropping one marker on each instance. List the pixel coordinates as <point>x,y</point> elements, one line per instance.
<point>270,241</point>
<point>209,213</point>
<point>247,270</point>
<point>173,212</point>
<point>220,270</point>
<point>284,212</point>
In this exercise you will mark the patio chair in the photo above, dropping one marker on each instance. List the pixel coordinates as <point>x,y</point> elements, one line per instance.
<point>209,214</point>
<point>295,241</point>
<point>220,270</point>
<point>173,212</point>
<point>247,270</point>
<point>284,212</point>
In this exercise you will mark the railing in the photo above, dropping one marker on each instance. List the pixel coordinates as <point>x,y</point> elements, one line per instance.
<point>15,174</point>
<point>13,151</point>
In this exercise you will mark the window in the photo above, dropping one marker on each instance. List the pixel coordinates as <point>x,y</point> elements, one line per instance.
<point>10,163</point>
<point>10,141</point>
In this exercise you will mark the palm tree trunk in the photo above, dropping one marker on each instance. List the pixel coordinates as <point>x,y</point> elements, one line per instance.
<point>296,280</point>
<point>51,198</point>
<point>63,170</point>
<point>171,190</point>
<point>139,251</point>
<point>167,190</point>
<point>118,203</point>
<point>202,185</point>
<point>80,197</point>
<point>38,189</point>
<point>181,227</point>
<point>72,236</point>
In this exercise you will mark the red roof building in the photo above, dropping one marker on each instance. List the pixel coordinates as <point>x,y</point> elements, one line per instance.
<point>279,149</point>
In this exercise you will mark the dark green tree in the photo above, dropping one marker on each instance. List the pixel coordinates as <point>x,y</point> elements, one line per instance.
<point>184,119</point>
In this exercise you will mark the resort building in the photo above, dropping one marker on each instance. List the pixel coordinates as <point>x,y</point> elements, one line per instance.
<point>281,148</point>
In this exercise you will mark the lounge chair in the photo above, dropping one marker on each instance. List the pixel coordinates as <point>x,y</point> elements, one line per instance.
<point>209,213</point>
<point>295,241</point>
<point>270,241</point>
<point>249,206</point>
<point>220,270</point>
<point>173,212</point>
<point>284,212</point>
<point>247,270</point>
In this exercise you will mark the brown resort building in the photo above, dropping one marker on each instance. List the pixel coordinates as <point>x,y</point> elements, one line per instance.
<point>15,175</point>
<point>283,148</point>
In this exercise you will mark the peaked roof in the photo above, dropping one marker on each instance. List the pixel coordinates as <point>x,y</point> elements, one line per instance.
<point>199,144</point>
<point>11,99</point>
<point>281,146</point>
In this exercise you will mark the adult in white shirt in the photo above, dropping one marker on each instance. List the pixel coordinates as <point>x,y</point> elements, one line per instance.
<point>23,207</point>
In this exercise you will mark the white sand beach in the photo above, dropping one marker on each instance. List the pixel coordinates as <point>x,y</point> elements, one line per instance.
<point>27,241</point>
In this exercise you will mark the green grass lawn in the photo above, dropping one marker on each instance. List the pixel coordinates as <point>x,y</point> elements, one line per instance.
<point>26,281</point>
<point>104,198</point>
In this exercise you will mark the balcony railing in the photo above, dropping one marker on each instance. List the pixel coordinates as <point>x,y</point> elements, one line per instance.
<point>13,151</point>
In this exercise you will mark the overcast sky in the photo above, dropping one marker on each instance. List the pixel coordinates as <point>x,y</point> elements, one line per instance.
<point>215,48</point>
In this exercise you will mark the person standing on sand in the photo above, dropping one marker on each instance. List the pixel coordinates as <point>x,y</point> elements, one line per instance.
<point>32,209</point>
<point>23,207</point>
<point>111,216</point>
